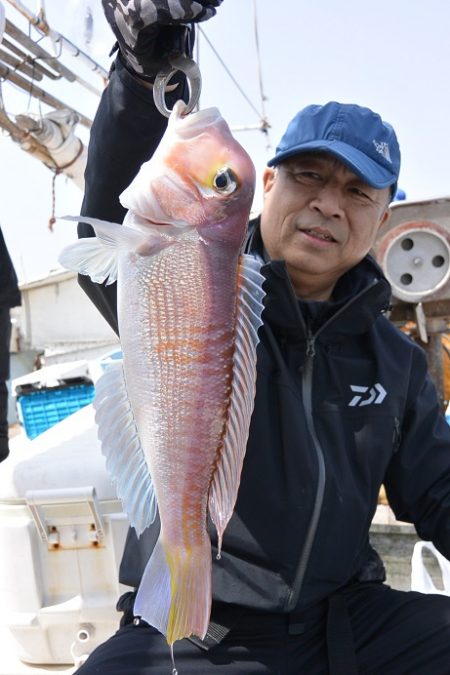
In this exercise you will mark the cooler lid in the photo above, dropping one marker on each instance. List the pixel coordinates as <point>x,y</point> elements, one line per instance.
<point>67,455</point>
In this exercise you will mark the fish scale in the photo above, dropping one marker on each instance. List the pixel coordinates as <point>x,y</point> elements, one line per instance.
<point>190,378</point>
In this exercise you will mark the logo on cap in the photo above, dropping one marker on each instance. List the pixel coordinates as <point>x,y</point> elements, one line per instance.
<point>383,149</point>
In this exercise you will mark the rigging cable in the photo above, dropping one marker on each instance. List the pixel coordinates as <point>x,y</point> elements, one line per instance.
<point>264,123</point>
<point>197,59</point>
<point>227,70</point>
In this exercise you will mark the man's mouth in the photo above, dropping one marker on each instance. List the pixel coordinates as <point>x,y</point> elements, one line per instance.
<point>319,234</point>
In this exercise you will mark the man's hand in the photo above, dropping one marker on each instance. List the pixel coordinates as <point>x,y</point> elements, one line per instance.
<point>148,30</point>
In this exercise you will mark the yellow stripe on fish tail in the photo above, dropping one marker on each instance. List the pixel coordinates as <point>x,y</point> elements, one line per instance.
<point>175,592</point>
<point>191,591</point>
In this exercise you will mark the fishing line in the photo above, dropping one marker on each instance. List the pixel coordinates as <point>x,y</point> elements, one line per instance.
<point>174,670</point>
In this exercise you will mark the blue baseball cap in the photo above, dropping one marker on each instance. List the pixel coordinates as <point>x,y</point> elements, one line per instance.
<point>357,136</point>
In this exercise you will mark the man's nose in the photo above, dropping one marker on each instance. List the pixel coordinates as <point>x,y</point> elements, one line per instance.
<point>328,202</point>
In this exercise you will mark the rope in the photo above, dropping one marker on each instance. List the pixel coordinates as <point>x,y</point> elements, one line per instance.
<point>52,219</point>
<point>56,171</point>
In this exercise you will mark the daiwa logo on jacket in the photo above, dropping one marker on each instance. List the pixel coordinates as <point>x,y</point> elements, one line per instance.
<point>376,395</point>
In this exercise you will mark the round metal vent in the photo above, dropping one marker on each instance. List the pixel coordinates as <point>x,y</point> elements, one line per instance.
<point>417,262</point>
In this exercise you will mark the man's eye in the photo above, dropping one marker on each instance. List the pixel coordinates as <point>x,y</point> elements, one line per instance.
<point>359,193</point>
<point>307,176</point>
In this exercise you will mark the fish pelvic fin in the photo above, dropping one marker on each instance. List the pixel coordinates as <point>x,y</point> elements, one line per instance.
<point>225,483</point>
<point>121,446</point>
<point>174,595</point>
<point>96,257</point>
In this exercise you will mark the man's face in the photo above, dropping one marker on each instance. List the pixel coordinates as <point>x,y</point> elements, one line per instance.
<point>320,218</point>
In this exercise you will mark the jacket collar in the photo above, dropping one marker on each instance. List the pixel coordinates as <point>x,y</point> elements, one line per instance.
<point>360,295</point>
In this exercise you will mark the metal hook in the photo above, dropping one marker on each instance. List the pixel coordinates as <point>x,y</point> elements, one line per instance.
<point>187,66</point>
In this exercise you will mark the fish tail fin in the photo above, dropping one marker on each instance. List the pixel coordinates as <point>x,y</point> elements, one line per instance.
<point>175,592</point>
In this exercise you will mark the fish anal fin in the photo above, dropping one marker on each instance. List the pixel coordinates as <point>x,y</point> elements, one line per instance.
<point>174,595</point>
<point>225,482</point>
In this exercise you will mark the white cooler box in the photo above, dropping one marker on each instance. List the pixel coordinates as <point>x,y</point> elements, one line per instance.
<point>62,532</point>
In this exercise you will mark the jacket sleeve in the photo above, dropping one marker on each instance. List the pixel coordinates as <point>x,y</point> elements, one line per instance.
<point>9,289</point>
<point>418,479</point>
<point>126,131</point>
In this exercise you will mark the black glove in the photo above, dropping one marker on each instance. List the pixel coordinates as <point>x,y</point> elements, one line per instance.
<point>147,31</point>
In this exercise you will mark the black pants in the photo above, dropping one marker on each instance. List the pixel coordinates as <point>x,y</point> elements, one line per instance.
<point>5,335</point>
<point>393,633</point>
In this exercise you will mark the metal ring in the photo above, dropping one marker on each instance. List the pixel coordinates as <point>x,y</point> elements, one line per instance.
<point>179,62</point>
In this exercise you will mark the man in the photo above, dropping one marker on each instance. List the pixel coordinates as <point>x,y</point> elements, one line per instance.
<point>9,297</point>
<point>298,589</point>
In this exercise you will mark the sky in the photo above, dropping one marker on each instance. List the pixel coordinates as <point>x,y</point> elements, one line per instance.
<point>392,56</point>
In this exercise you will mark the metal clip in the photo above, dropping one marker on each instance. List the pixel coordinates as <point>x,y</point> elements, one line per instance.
<point>187,66</point>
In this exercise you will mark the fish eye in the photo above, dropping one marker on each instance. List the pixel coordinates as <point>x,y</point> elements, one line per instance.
<point>225,181</point>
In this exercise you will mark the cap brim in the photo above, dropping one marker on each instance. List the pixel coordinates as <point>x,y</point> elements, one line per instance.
<point>369,171</point>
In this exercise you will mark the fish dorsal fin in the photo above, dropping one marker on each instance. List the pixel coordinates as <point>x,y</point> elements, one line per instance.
<point>225,483</point>
<point>96,256</point>
<point>121,447</point>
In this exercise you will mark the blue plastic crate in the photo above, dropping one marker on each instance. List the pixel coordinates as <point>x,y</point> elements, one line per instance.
<point>41,408</point>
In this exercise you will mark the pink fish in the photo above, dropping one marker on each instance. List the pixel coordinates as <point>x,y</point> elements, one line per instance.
<point>174,418</point>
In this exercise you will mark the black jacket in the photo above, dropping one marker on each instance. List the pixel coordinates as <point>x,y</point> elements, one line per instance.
<point>343,404</point>
<point>9,290</point>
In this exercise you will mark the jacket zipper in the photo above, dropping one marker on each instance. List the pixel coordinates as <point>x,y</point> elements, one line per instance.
<point>313,524</point>
<point>307,381</point>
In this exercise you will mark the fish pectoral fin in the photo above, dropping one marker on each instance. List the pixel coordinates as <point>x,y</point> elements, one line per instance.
<point>121,446</point>
<point>225,483</point>
<point>96,256</point>
<point>174,595</point>
<point>90,257</point>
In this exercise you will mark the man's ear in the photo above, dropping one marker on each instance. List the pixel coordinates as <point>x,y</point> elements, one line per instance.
<point>385,217</point>
<point>269,177</point>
